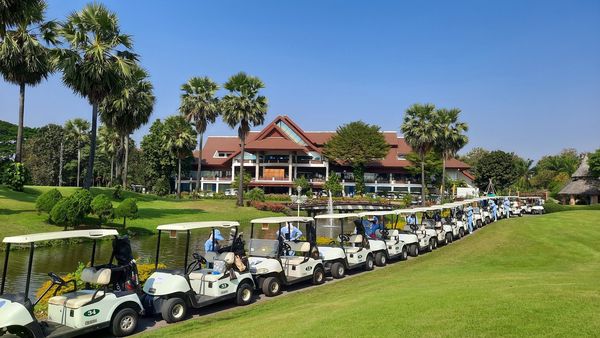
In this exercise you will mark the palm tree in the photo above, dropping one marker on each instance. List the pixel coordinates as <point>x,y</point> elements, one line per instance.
<point>421,133</point>
<point>24,60</point>
<point>109,141</point>
<point>129,109</point>
<point>200,106</point>
<point>451,137</point>
<point>13,12</point>
<point>180,140</point>
<point>241,108</point>
<point>77,130</point>
<point>97,62</point>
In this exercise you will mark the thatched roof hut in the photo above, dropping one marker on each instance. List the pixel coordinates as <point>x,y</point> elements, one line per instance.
<point>583,185</point>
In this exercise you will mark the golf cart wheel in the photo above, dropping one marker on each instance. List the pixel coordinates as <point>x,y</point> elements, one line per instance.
<point>429,247</point>
<point>369,263</point>
<point>414,250</point>
<point>244,294</point>
<point>318,276</point>
<point>271,286</point>
<point>338,270</point>
<point>488,220</point>
<point>404,254</point>
<point>520,214</point>
<point>174,310</point>
<point>380,259</point>
<point>449,238</point>
<point>124,322</point>
<point>461,233</point>
<point>479,224</point>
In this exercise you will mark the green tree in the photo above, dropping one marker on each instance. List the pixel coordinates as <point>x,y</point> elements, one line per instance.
<point>42,158</point>
<point>524,173</point>
<point>24,59</point>
<point>333,184</point>
<point>245,182</point>
<point>566,161</point>
<point>109,141</point>
<point>356,144</point>
<point>421,132</point>
<point>127,209</point>
<point>200,106</point>
<point>97,62</point>
<point>179,139</point>
<point>499,166</point>
<point>451,138</point>
<point>129,109</point>
<point>13,12</point>
<point>432,164</point>
<point>594,163</point>
<point>474,155</point>
<point>241,108</point>
<point>46,201</point>
<point>8,139</point>
<point>158,161</point>
<point>102,207</point>
<point>77,131</point>
<point>304,184</point>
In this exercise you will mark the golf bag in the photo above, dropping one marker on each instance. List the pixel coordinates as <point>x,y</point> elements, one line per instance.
<point>124,274</point>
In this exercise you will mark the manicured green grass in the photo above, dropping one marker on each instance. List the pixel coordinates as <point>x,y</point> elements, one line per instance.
<point>530,276</point>
<point>18,215</point>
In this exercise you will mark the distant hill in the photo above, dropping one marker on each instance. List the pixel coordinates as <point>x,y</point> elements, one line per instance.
<point>8,138</point>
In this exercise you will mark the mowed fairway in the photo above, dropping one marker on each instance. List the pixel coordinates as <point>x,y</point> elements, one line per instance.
<point>530,276</point>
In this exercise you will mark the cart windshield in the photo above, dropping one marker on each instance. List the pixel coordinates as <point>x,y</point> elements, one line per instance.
<point>264,241</point>
<point>329,230</point>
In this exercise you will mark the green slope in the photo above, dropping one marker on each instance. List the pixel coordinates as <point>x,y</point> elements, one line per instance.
<point>530,276</point>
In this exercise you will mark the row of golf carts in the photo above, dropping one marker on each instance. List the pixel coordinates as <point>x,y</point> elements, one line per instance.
<point>330,244</point>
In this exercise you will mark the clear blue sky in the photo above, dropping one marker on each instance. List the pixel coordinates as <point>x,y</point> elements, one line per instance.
<point>525,73</point>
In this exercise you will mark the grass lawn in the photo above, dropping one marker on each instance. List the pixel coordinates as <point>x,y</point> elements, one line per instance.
<point>18,215</point>
<point>530,276</point>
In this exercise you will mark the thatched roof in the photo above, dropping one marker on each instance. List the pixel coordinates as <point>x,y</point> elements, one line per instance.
<point>583,170</point>
<point>581,186</point>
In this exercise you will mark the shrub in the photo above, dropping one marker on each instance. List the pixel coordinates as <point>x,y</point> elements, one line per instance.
<point>58,213</point>
<point>46,201</point>
<point>117,193</point>
<point>162,186</point>
<point>15,176</point>
<point>266,206</point>
<point>81,203</point>
<point>127,209</point>
<point>73,209</point>
<point>102,207</point>
<point>256,194</point>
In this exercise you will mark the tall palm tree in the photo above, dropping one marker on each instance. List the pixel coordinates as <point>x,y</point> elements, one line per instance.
<point>242,107</point>
<point>109,141</point>
<point>451,137</point>
<point>78,131</point>
<point>24,60</point>
<point>97,62</point>
<point>129,109</point>
<point>421,133</point>
<point>200,106</point>
<point>180,140</point>
<point>13,12</point>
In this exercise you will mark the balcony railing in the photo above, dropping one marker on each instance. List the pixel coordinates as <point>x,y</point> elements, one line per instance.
<point>272,178</point>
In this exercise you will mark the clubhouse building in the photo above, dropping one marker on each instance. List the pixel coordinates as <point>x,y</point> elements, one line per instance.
<point>281,152</point>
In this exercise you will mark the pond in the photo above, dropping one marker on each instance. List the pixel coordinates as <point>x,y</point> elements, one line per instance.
<point>63,259</point>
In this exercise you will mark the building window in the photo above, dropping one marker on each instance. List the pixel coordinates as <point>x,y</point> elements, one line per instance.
<point>290,133</point>
<point>221,154</point>
<point>402,157</point>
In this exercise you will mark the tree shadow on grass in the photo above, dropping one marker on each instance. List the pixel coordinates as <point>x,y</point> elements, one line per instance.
<point>159,213</point>
<point>14,212</point>
<point>29,195</point>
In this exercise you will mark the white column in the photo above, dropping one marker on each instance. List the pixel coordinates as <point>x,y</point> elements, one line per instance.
<point>290,167</point>
<point>326,169</point>
<point>257,167</point>
<point>217,189</point>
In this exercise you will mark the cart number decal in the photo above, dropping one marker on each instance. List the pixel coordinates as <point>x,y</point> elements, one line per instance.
<point>308,268</point>
<point>223,286</point>
<point>92,312</point>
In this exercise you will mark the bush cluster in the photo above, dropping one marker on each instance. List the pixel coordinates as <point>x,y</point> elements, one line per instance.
<point>15,176</point>
<point>117,192</point>
<point>46,201</point>
<point>267,206</point>
<point>103,208</point>
<point>256,194</point>
<point>72,210</point>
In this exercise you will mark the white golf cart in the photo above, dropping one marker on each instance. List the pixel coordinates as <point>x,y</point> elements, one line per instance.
<point>434,225</point>
<point>80,311</point>
<point>532,205</point>
<point>276,259</point>
<point>515,206</point>
<point>394,247</point>
<point>456,219</point>
<point>346,251</point>
<point>425,241</point>
<point>171,293</point>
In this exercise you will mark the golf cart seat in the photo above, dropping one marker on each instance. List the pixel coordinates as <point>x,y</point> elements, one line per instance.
<point>302,247</point>
<point>226,259</point>
<point>77,299</point>
<point>352,249</point>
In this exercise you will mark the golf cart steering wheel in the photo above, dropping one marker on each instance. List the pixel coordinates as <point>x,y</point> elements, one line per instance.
<point>285,247</point>
<point>384,232</point>
<point>344,237</point>
<point>199,258</point>
<point>56,279</point>
<point>414,227</point>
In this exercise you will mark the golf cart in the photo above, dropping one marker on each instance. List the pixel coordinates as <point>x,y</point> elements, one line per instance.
<point>84,309</point>
<point>515,206</point>
<point>277,259</point>
<point>218,276</point>
<point>456,219</point>
<point>345,251</point>
<point>393,246</point>
<point>443,228</point>
<point>532,205</point>
<point>425,242</point>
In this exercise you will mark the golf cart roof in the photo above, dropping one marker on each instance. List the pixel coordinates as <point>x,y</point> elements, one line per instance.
<point>274,220</point>
<point>49,236</point>
<point>409,211</point>
<point>376,213</point>
<point>336,216</point>
<point>197,225</point>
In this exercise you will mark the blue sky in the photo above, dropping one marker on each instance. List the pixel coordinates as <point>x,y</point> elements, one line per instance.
<point>526,74</point>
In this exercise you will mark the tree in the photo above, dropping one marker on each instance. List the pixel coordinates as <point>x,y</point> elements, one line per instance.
<point>77,131</point>
<point>158,161</point>
<point>109,141</point>
<point>13,12</point>
<point>200,106</point>
<point>474,155</point>
<point>421,132</point>
<point>524,172</point>
<point>8,139</point>
<point>594,163</point>
<point>97,62</point>
<point>127,209</point>
<point>179,139</point>
<point>333,184</point>
<point>451,138</point>
<point>566,161</point>
<point>243,107</point>
<point>432,165</point>
<point>499,166</point>
<point>102,207</point>
<point>129,109</point>
<point>356,144</point>
<point>24,60</point>
<point>41,157</point>
<point>303,183</point>
<point>245,182</point>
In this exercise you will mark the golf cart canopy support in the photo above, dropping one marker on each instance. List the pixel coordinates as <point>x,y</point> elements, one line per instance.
<point>275,220</point>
